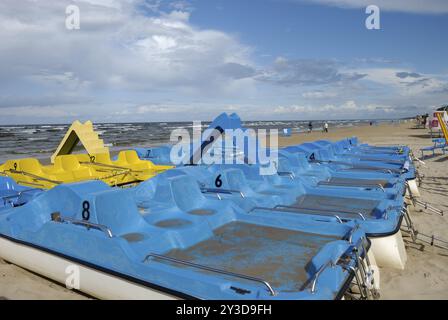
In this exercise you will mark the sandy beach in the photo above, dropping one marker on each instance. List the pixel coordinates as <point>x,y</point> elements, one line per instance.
<point>425,275</point>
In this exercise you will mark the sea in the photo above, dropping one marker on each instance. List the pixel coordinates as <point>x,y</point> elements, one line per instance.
<point>40,141</point>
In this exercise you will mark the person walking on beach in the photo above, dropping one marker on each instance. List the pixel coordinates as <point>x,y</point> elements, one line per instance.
<point>310,127</point>
<point>326,127</point>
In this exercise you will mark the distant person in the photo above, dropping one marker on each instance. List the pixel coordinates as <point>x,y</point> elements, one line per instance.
<point>326,127</point>
<point>310,127</point>
<point>425,119</point>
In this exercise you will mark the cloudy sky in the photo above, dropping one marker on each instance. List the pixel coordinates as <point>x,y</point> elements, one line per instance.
<point>161,60</point>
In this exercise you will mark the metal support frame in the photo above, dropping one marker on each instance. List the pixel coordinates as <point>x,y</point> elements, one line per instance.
<point>425,205</point>
<point>417,235</point>
<point>364,273</point>
<point>433,240</point>
<point>409,223</point>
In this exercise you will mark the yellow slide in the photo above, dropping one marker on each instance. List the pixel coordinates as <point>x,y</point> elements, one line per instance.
<point>80,132</point>
<point>442,124</point>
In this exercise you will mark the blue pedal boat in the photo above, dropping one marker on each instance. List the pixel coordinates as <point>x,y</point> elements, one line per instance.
<point>325,155</point>
<point>379,216</point>
<point>13,195</point>
<point>159,155</point>
<point>319,174</point>
<point>340,149</point>
<point>354,143</point>
<point>367,192</point>
<point>165,239</point>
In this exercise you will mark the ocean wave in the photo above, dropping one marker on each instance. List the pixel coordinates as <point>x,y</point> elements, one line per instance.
<point>28,131</point>
<point>36,139</point>
<point>41,140</point>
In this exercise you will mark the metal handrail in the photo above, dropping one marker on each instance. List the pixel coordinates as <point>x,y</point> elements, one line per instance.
<point>354,166</point>
<point>373,168</point>
<point>385,151</point>
<point>383,146</point>
<point>104,165</point>
<point>293,208</point>
<point>36,177</point>
<point>280,210</point>
<point>226,191</point>
<point>86,224</point>
<point>351,233</point>
<point>18,194</point>
<point>361,278</point>
<point>113,175</point>
<point>286,173</point>
<point>317,275</point>
<point>377,159</point>
<point>206,268</point>
<point>362,216</point>
<point>331,264</point>
<point>30,183</point>
<point>360,185</point>
<point>110,166</point>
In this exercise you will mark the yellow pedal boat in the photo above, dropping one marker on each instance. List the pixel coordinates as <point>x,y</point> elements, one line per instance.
<point>127,169</point>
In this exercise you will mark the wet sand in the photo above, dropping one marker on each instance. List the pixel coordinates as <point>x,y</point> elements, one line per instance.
<point>425,275</point>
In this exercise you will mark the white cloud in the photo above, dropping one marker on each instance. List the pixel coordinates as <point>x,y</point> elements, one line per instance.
<point>43,112</point>
<point>125,64</point>
<point>306,72</point>
<point>413,6</point>
<point>116,48</point>
<point>319,94</point>
<point>407,82</point>
<point>349,109</point>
